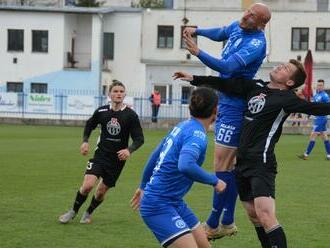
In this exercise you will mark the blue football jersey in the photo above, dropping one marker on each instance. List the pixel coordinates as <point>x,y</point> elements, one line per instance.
<point>249,49</point>
<point>167,184</point>
<point>321,97</point>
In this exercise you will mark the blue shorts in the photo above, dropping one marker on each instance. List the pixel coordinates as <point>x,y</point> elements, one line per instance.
<point>227,133</point>
<point>170,222</point>
<point>320,125</point>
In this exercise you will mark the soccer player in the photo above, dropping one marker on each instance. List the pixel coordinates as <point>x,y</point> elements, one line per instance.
<point>170,172</point>
<point>320,123</point>
<point>241,58</point>
<point>269,104</point>
<point>117,122</point>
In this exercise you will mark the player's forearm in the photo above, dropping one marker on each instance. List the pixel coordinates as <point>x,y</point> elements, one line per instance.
<point>220,65</point>
<point>136,144</point>
<point>317,109</point>
<point>188,166</point>
<point>216,34</point>
<point>90,125</point>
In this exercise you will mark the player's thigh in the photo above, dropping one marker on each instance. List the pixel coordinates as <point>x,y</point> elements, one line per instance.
<point>185,241</point>
<point>224,157</point>
<point>200,237</point>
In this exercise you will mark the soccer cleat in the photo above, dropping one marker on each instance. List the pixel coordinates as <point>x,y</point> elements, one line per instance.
<point>86,218</point>
<point>303,157</point>
<point>328,157</point>
<point>65,218</point>
<point>219,232</point>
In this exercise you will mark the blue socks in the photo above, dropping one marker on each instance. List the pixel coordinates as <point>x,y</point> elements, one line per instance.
<point>230,201</point>
<point>310,147</point>
<point>224,201</point>
<point>327,146</point>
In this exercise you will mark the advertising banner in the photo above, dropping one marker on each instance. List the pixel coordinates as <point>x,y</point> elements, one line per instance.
<point>82,105</point>
<point>40,103</point>
<point>9,102</point>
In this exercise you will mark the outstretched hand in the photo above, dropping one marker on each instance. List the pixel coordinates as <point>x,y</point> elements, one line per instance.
<point>136,199</point>
<point>220,187</point>
<point>183,76</point>
<point>191,45</point>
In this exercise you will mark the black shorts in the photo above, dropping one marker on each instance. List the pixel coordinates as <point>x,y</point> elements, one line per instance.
<point>106,166</point>
<point>255,179</point>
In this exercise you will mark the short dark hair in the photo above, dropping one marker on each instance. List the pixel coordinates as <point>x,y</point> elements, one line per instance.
<point>202,102</point>
<point>320,81</point>
<point>116,82</point>
<point>299,76</point>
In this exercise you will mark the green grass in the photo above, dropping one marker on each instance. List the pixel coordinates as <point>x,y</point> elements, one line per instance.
<point>41,170</point>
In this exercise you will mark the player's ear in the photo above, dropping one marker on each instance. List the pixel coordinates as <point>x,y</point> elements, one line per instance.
<point>290,83</point>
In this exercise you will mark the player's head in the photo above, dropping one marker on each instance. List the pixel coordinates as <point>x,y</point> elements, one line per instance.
<point>320,85</point>
<point>117,91</point>
<point>203,103</point>
<point>291,75</point>
<point>255,17</point>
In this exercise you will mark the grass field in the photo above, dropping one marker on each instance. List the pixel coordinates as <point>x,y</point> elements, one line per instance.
<point>41,170</point>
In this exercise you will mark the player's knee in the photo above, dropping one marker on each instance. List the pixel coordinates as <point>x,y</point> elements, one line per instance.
<point>86,188</point>
<point>266,218</point>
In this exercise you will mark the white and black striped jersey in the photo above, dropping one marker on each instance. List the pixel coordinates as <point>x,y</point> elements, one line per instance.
<point>116,128</point>
<point>267,109</point>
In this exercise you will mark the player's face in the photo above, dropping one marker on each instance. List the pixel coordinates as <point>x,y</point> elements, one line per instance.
<point>250,19</point>
<point>117,94</point>
<point>283,73</point>
<point>319,87</point>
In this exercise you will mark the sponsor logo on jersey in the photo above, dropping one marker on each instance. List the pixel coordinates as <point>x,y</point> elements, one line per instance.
<point>255,42</point>
<point>102,110</point>
<point>257,103</point>
<point>199,134</point>
<point>113,126</point>
<point>180,224</point>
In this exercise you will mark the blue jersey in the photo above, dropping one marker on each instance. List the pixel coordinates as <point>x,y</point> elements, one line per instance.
<point>321,96</point>
<point>245,49</point>
<point>167,184</point>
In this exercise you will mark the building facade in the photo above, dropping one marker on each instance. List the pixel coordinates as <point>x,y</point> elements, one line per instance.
<point>80,51</point>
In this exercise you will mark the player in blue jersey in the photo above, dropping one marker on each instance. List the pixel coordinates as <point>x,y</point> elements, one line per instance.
<point>320,123</point>
<point>241,58</point>
<point>170,172</point>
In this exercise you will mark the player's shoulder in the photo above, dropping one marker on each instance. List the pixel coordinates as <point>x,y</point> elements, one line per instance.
<point>130,111</point>
<point>194,129</point>
<point>259,83</point>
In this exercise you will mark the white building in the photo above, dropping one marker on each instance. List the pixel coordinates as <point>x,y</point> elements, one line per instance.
<point>81,51</point>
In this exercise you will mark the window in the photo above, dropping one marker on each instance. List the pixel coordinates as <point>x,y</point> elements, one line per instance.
<point>14,87</point>
<point>165,36</point>
<point>322,39</point>
<point>183,45</point>
<point>185,94</point>
<point>299,39</point>
<point>322,5</point>
<point>108,45</point>
<point>15,40</point>
<point>165,93</point>
<point>39,88</point>
<point>40,41</point>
